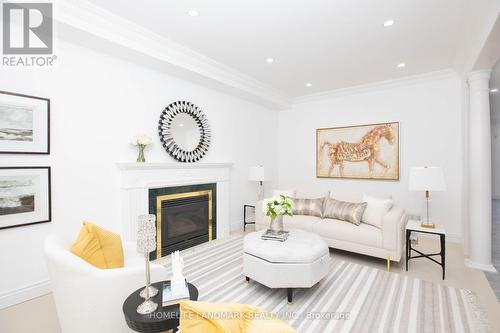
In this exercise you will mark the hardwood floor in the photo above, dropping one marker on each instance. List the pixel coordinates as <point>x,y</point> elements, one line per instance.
<point>494,279</point>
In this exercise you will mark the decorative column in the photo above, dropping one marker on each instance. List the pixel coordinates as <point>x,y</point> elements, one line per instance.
<point>479,171</point>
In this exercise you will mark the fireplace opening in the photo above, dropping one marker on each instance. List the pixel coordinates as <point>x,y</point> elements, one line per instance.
<point>185,217</point>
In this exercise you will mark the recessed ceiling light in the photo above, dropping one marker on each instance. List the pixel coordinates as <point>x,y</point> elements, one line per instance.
<point>193,13</point>
<point>401,65</point>
<point>494,90</point>
<point>388,23</point>
<point>270,60</point>
<point>309,84</point>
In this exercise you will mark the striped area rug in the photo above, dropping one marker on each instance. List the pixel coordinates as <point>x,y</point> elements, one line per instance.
<point>351,298</point>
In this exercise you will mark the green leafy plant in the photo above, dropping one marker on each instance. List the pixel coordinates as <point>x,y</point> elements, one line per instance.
<point>279,206</point>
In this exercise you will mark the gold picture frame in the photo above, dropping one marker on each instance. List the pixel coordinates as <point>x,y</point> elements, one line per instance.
<point>359,152</point>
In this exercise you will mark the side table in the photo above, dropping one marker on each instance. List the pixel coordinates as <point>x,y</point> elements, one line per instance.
<point>163,319</point>
<point>414,226</point>
<point>248,216</point>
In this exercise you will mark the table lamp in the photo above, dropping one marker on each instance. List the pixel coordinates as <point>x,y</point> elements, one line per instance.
<point>146,243</point>
<point>256,174</point>
<point>427,179</point>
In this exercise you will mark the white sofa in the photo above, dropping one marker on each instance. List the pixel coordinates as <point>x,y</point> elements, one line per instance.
<point>89,299</point>
<point>386,242</point>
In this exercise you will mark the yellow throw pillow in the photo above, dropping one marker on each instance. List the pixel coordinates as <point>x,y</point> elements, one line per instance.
<point>99,247</point>
<point>205,317</point>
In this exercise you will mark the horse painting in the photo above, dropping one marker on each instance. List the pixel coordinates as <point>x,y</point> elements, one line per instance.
<point>368,150</point>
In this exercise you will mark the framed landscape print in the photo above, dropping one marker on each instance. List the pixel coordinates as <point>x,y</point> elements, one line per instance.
<point>362,152</point>
<point>24,196</point>
<point>24,124</point>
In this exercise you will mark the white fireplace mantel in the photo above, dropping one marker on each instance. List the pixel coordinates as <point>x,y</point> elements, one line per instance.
<point>161,165</point>
<point>138,178</point>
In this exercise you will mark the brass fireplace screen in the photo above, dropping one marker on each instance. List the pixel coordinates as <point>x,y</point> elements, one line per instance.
<point>189,208</point>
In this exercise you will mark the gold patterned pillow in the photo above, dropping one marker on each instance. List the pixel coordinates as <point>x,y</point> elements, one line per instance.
<point>345,211</point>
<point>313,207</point>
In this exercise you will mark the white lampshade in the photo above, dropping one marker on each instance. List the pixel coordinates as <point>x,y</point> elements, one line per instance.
<point>426,179</point>
<point>256,173</point>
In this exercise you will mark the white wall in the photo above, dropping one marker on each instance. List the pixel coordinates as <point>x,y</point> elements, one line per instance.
<point>98,103</point>
<point>429,111</point>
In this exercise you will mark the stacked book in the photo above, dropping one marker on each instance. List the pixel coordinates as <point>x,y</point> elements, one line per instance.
<point>170,297</point>
<point>279,236</point>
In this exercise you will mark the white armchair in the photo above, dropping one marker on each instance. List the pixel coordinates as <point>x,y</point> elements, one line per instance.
<point>89,299</point>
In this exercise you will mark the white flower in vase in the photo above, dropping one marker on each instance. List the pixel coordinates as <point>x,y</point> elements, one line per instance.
<point>275,208</point>
<point>141,141</point>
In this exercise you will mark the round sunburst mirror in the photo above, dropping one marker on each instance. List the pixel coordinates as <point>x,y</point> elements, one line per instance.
<point>184,131</point>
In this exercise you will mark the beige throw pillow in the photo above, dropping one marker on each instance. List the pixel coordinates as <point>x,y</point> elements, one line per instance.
<point>345,211</point>
<point>313,207</point>
<point>375,210</point>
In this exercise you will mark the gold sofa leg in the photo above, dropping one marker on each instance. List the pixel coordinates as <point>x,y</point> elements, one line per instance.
<point>388,263</point>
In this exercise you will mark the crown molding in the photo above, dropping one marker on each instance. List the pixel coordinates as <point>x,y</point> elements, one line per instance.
<point>80,22</point>
<point>83,23</point>
<point>387,84</point>
<point>480,75</point>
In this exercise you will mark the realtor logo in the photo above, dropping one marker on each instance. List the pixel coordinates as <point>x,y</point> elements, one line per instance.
<point>27,28</point>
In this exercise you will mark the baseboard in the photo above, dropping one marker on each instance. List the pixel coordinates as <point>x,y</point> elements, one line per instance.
<point>482,267</point>
<point>24,294</point>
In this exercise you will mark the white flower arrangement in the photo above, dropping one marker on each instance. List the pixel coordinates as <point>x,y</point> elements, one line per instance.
<point>141,140</point>
<point>278,206</point>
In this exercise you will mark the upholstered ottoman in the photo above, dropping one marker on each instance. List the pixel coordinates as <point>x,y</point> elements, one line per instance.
<point>299,262</point>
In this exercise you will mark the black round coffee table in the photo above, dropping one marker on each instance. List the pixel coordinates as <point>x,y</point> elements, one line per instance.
<point>163,319</point>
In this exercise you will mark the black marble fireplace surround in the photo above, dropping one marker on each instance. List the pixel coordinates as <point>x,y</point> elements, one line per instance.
<point>185,216</point>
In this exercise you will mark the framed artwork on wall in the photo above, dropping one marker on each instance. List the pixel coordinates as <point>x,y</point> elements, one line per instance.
<point>25,196</point>
<point>358,152</point>
<point>24,124</point>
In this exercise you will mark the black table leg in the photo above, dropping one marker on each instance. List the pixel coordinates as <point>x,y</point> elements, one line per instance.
<point>289,293</point>
<point>245,217</point>
<point>247,278</point>
<point>408,233</point>
<point>443,253</point>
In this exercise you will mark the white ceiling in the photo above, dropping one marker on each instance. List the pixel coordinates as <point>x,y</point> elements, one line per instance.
<point>330,43</point>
